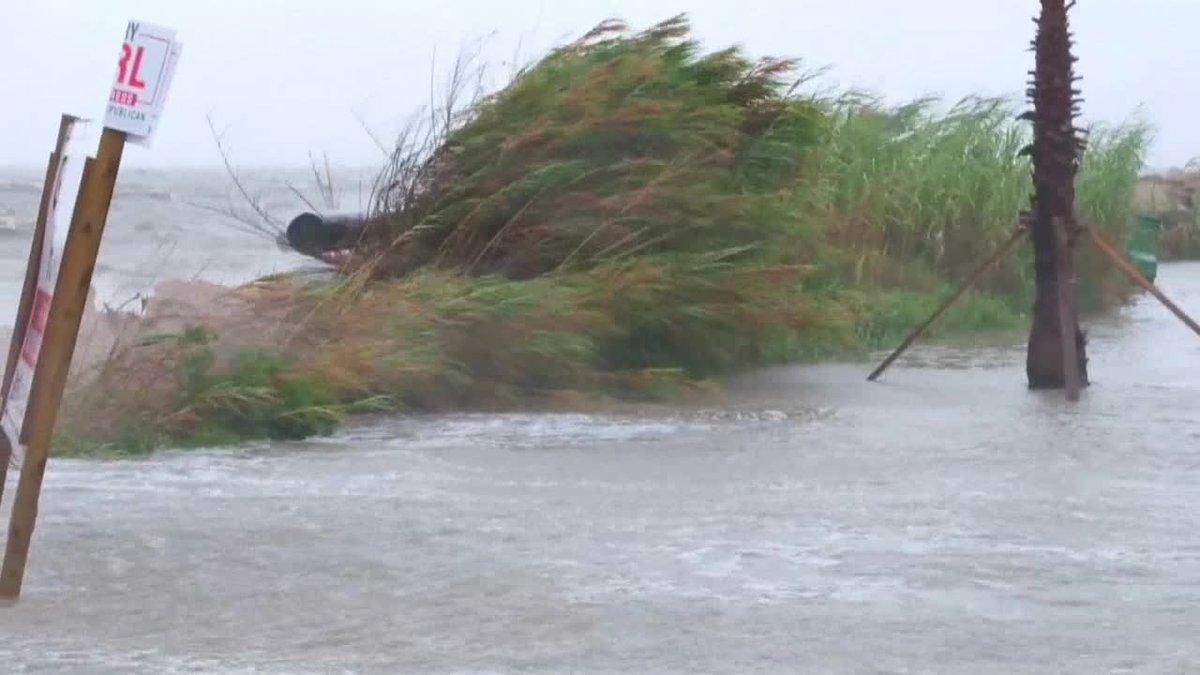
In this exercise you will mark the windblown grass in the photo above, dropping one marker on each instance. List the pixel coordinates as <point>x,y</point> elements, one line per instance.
<point>631,217</point>
<point>613,147</point>
<point>920,196</point>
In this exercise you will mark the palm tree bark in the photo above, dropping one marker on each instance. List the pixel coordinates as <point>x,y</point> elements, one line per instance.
<point>1056,152</point>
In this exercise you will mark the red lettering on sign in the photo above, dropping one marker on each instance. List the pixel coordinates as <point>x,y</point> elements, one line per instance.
<point>127,75</point>
<point>123,63</point>
<point>134,81</point>
<point>122,97</point>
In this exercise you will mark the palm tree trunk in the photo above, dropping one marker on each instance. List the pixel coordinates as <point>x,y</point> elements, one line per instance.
<point>1056,154</point>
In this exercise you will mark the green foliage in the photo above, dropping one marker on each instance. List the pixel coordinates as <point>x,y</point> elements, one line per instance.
<point>1107,179</point>
<point>887,317</point>
<point>941,188</point>
<point>940,191</point>
<point>632,217</point>
<point>1105,200</point>
<point>614,146</point>
<point>255,396</point>
<point>216,400</point>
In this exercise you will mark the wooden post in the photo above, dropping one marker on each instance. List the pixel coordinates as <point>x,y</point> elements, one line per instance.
<point>971,280</point>
<point>29,289</point>
<point>62,330</point>
<point>1137,278</point>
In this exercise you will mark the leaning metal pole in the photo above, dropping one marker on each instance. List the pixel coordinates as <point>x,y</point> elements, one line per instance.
<point>1054,231</point>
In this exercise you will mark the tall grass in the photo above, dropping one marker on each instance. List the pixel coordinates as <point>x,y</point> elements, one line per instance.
<point>1105,192</point>
<point>917,183</point>
<point>631,216</point>
<point>939,190</point>
<point>614,146</point>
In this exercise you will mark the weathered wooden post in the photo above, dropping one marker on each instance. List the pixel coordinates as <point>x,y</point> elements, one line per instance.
<point>58,346</point>
<point>144,72</point>
<point>1056,356</point>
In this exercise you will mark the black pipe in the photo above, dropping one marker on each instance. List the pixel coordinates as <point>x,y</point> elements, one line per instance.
<point>315,235</point>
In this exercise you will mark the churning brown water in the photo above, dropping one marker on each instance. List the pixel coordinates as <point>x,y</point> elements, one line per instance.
<point>946,520</point>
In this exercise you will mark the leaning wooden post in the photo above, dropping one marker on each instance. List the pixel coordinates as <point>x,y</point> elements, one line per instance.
<point>1130,271</point>
<point>62,330</point>
<point>145,68</point>
<point>966,285</point>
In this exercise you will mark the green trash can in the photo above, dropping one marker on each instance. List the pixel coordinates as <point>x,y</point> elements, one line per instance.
<point>1144,243</point>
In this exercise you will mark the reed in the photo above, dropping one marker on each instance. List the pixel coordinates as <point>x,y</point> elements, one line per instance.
<point>630,217</point>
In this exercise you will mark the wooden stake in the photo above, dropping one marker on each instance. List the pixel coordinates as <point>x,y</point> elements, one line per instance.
<point>1068,320</point>
<point>29,289</point>
<point>62,330</point>
<point>971,280</point>
<point>1137,278</point>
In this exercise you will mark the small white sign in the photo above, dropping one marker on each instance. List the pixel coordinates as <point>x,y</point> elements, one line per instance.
<point>145,68</point>
<point>58,222</point>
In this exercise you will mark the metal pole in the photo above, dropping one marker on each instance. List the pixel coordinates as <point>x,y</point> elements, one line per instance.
<point>1137,278</point>
<point>971,280</point>
<point>62,330</point>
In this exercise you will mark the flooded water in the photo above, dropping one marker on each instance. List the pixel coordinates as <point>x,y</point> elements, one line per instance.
<point>946,520</point>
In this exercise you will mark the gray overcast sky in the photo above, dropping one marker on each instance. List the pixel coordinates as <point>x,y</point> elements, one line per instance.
<point>287,77</point>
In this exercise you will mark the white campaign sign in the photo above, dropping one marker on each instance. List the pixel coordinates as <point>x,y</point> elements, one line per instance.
<point>145,69</point>
<point>58,223</point>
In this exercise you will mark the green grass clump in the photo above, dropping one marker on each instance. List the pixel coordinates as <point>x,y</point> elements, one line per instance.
<point>888,317</point>
<point>207,400</point>
<point>256,397</point>
<point>616,146</point>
